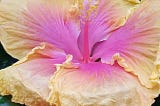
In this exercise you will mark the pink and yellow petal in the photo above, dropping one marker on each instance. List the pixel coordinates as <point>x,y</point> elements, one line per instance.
<point>135,45</point>
<point>27,80</point>
<point>57,23</point>
<point>97,84</point>
<point>24,27</point>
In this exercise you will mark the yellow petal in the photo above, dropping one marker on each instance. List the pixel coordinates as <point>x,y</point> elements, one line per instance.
<point>140,58</point>
<point>157,63</point>
<point>27,80</point>
<point>97,84</point>
<point>12,31</point>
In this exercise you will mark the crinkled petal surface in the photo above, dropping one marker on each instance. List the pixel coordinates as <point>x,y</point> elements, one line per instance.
<point>98,84</point>
<point>27,80</point>
<point>24,27</point>
<point>135,45</point>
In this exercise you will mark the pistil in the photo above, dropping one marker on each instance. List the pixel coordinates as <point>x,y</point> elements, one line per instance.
<point>86,43</point>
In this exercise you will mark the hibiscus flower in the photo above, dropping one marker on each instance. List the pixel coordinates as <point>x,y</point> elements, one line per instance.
<point>81,52</point>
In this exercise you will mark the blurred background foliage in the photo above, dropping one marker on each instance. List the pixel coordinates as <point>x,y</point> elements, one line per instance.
<point>7,60</point>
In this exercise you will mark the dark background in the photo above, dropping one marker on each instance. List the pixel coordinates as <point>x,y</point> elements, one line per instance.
<point>7,60</point>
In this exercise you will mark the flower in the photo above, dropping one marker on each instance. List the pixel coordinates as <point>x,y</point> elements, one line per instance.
<point>81,52</point>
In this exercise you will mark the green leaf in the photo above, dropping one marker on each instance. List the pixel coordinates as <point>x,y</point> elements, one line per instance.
<point>5,101</point>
